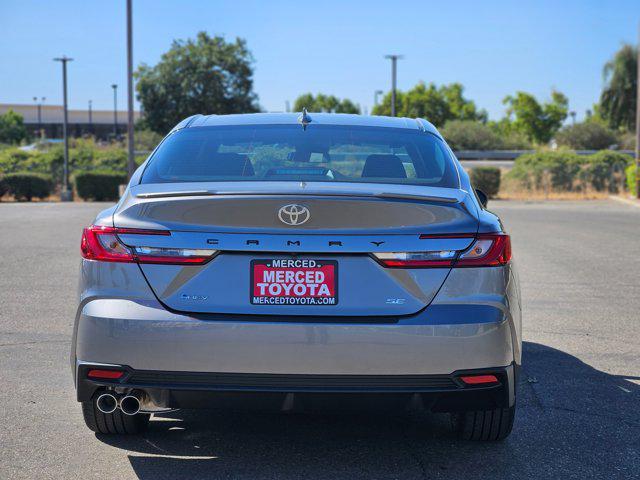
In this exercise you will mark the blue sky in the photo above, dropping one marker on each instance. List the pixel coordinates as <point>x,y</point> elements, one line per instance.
<point>492,47</point>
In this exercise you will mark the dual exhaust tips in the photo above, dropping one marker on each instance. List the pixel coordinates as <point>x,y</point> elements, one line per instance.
<point>129,404</point>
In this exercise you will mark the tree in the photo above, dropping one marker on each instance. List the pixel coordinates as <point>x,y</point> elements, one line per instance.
<point>12,128</point>
<point>205,75</point>
<point>537,122</point>
<point>618,98</point>
<point>324,103</point>
<point>436,104</point>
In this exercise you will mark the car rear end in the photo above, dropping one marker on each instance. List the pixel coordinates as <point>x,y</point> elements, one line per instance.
<point>280,265</point>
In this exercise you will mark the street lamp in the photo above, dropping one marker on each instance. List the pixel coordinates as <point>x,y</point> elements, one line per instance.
<point>573,117</point>
<point>90,118</point>
<point>43,99</point>
<point>39,107</point>
<point>375,96</point>
<point>131,165</point>
<point>115,110</point>
<point>66,195</point>
<point>394,61</point>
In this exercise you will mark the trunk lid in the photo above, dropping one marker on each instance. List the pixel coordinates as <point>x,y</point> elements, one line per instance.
<point>346,223</point>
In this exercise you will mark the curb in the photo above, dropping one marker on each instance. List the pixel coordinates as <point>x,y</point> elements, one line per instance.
<point>628,201</point>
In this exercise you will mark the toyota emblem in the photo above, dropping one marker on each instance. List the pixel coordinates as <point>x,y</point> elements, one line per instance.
<point>294,214</point>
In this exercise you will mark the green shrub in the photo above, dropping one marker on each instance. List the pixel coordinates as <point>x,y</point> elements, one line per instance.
<point>604,170</point>
<point>627,140</point>
<point>631,179</point>
<point>486,179</point>
<point>146,139</point>
<point>111,159</point>
<point>14,160</point>
<point>27,185</point>
<point>586,136</point>
<point>98,185</point>
<point>557,169</point>
<point>515,141</point>
<point>470,135</point>
<point>3,188</point>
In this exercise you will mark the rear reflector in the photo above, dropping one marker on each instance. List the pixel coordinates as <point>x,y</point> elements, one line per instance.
<point>479,379</point>
<point>488,250</point>
<point>106,374</point>
<point>103,244</point>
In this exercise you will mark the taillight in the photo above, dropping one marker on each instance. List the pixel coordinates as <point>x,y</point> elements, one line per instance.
<point>487,250</point>
<point>103,244</point>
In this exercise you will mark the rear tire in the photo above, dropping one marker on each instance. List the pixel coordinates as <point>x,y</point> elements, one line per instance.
<point>113,423</point>
<point>484,425</point>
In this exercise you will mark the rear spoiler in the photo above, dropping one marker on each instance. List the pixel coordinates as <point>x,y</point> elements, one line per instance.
<point>212,193</point>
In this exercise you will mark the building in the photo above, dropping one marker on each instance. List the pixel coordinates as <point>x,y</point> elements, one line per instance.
<point>46,120</point>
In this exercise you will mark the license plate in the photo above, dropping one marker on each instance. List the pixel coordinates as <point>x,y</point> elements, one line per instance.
<point>294,282</point>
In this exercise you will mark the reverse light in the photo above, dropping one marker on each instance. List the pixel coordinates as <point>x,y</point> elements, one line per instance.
<point>172,255</point>
<point>442,258</point>
<point>488,250</point>
<point>103,244</point>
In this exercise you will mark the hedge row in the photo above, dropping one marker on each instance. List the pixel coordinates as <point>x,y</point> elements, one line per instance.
<point>568,171</point>
<point>99,186</point>
<point>84,156</point>
<point>26,185</point>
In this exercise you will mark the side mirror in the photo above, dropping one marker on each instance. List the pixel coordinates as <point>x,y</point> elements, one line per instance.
<point>482,197</point>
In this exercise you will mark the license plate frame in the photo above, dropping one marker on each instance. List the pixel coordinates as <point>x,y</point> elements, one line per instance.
<point>291,299</point>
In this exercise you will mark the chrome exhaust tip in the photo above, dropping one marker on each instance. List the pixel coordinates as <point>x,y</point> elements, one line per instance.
<point>130,403</point>
<point>107,403</point>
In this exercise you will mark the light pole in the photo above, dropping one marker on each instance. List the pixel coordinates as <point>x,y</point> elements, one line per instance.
<point>42,100</point>
<point>375,97</point>
<point>35,100</point>
<point>66,195</point>
<point>39,107</point>
<point>394,62</point>
<point>90,118</point>
<point>131,165</point>
<point>115,110</point>
<point>573,117</point>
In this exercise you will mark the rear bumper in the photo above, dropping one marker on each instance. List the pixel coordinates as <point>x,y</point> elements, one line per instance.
<point>437,341</point>
<point>443,393</point>
<point>288,362</point>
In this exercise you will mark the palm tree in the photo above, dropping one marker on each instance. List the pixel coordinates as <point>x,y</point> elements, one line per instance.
<point>618,98</point>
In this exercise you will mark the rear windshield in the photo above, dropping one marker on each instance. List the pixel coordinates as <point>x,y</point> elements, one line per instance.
<point>321,153</point>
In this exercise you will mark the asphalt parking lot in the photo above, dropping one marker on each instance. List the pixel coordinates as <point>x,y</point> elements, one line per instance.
<point>579,396</point>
